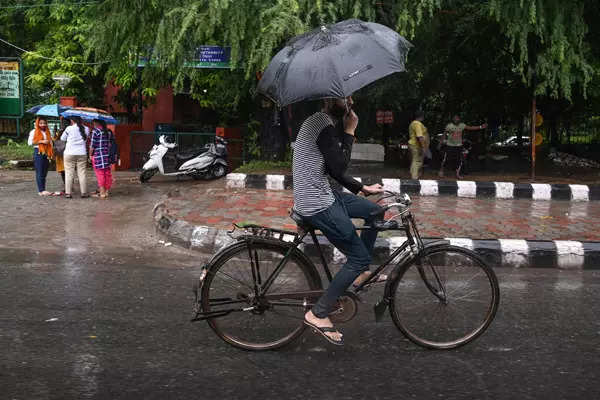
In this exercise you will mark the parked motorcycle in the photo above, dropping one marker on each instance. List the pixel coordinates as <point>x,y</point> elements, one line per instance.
<point>206,163</point>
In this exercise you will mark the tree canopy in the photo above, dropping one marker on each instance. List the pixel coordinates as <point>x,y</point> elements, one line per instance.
<point>469,54</point>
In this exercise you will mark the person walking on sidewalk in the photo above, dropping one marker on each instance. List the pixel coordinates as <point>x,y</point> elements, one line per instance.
<point>453,141</point>
<point>418,143</point>
<point>40,139</point>
<point>100,157</point>
<point>323,147</point>
<point>75,156</point>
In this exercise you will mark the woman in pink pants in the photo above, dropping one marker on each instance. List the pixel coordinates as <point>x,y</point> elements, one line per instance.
<point>100,157</point>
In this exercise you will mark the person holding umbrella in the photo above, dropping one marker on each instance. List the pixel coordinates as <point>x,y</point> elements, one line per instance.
<point>75,155</point>
<point>59,158</point>
<point>331,63</point>
<point>323,147</point>
<point>40,139</point>
<point>100,157</point>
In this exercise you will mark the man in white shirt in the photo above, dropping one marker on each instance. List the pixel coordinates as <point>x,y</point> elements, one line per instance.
<point>453,141</point>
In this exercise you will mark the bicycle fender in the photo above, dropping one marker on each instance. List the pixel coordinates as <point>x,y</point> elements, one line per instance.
<point>437,243</point>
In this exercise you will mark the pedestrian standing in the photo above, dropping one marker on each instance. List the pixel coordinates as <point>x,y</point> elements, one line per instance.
<point>40,139</point>
<point>75,156</point>
<point>100,157</point>
<point>453,141</point>
<point>418,143</point>
<point>59,159</point>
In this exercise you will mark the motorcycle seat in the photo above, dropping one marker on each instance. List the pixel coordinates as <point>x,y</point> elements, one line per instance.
<point>188,155</point>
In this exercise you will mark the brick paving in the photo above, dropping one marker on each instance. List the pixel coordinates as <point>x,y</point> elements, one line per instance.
<point>212,205</point>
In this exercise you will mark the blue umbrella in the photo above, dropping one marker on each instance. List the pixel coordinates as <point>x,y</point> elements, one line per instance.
<point>48,110</point>
<point>90,114</point>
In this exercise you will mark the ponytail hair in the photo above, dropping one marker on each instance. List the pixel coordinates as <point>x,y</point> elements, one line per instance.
<point>102,123</point>
<point>77,120</point>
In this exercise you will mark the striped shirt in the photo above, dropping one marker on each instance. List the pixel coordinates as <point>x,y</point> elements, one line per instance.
<point>319,151</point>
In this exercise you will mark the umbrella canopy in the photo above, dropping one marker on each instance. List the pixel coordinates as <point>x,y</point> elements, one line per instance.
<point>89,114</point>
<point>48,110</point>
<point>333,61</point>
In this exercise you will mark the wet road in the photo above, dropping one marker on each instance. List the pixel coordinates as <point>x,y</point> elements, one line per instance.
<point>103,314</point>
<point>112,326</point>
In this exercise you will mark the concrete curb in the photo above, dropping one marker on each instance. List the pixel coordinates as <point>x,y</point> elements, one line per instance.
<point>21,163</point>
<point>515,253</point>
<point>499,190</point>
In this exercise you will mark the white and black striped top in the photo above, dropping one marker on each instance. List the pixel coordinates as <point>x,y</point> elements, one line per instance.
<point>320,151</point>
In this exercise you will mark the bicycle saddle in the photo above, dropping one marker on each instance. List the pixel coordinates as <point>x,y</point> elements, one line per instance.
<point>302,224</point>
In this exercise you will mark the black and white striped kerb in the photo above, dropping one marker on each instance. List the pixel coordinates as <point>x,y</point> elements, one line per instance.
<point>500,190</point>
<point>562,254</point>
<point>516,253</point>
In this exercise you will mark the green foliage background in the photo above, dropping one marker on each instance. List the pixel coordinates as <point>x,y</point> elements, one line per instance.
<point>476,56</point>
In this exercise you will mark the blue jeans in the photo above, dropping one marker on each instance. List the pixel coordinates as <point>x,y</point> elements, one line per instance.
<point>336,225</point>
<point>41,163</point>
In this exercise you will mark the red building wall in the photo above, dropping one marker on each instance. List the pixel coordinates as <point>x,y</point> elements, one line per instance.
<point>159,112</point>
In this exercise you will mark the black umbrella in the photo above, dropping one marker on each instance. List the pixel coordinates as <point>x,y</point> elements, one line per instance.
<point>333,61</point>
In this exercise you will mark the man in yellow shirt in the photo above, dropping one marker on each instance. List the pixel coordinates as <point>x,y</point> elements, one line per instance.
<point>418,143</point>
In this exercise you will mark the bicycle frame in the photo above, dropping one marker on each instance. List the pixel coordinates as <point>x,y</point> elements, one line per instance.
<point>413,242</point>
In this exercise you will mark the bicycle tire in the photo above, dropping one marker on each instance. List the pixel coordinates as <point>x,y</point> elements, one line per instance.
<point>276,326</point>
<point>410,288</point>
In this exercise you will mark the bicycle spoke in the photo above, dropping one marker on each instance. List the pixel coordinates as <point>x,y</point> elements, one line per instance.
<point>463,313</point>
<point>264,325</point>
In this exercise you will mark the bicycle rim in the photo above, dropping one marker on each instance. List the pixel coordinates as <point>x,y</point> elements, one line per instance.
<point>466,301</point>
<point>274,325</point>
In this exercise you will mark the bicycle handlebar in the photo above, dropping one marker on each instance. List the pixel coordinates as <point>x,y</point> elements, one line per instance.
<point>402,199</point>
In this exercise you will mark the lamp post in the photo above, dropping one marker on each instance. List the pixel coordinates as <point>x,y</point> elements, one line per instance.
<point>62,80</point>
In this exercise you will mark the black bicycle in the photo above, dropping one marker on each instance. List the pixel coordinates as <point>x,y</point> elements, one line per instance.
<point>255,292</point>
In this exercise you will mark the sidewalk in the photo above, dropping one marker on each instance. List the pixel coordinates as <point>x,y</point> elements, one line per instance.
<point>530,226</point>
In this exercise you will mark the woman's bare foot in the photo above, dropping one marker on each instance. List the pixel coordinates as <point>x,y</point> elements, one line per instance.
<point>314,321</point>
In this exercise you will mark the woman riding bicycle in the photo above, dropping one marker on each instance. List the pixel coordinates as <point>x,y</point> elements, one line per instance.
<point>323,148</point>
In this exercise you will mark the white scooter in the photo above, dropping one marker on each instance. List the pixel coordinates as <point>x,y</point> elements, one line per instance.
<point>211,162</point>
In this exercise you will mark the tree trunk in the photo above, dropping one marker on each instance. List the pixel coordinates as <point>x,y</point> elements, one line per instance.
<point>273,135</point>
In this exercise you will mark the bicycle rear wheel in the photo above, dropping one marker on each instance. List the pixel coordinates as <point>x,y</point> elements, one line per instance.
<point>445,298</point>
<point>230,283</point>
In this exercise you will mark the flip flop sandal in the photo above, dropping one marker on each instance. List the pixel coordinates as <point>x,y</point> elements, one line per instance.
<point>324,331</point>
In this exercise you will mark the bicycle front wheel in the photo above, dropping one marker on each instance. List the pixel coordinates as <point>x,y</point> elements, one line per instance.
<point>265,324</point>
<point>445,298</point>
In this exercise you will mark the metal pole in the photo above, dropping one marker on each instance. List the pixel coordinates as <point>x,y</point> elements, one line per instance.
<point>532,139</point>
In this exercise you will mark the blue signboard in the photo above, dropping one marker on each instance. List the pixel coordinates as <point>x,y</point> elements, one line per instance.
<point>204,57</point>
<point>211,57</point>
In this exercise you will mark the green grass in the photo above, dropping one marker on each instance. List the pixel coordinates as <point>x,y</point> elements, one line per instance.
<point>12,150</point>
<point>254,167</point>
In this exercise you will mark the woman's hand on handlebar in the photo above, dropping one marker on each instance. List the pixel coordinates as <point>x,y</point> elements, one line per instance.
<point>372,189</point>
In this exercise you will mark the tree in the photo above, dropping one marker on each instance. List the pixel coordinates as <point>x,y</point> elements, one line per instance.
<point>55,36</point>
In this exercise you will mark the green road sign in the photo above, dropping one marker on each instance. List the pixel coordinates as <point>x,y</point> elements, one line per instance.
<point>11,88</point>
